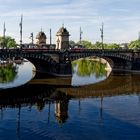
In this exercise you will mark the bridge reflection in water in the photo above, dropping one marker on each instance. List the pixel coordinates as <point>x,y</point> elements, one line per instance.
<point>115,84</point>
<point>47,92</point>
<point>40,92</point>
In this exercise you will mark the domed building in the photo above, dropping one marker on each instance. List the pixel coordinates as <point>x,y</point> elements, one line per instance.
<point>62,38</point>
<point>41,39</point>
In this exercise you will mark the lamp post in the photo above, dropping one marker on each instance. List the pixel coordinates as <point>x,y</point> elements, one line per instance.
<point>20,25</point>
<point>4,30</point>
<point>80,39</point>
<point>50,38</point>
<point>102,35</point>
<point>32,38</point>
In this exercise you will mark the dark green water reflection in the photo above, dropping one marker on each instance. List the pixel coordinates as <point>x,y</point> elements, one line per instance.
<point>87,67</point>
<point>88,71</point>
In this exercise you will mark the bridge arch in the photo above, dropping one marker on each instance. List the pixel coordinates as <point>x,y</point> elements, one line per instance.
<point>117,61</point>
<point>59,61</point>
<point>41,62</point>
<point>48,61</point>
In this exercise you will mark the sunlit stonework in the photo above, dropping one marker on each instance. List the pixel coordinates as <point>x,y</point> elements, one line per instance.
<point>62,38</point>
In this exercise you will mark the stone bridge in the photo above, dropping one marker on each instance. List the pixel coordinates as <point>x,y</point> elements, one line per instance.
<point>58,62</point>
<point>127,60</point>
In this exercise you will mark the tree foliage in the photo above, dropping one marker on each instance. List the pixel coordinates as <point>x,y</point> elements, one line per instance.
<point>98,45</point>
<point>86,44</point>
<point>113,46</point>
<point>134,44</point>
<point>7,42</point>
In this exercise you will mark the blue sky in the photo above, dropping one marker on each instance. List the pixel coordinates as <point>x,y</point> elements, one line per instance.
<point>121,18</point>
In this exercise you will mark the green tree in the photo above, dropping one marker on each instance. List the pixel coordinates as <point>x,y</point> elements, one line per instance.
<point>134,44</point>
<point>113,46</point>
<point>86,44</point>
<point>7,42</point>
<point>11,43</point>
<point>98,45</point>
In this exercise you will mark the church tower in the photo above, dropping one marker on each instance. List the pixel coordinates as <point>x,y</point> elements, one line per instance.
<point>62,39</point>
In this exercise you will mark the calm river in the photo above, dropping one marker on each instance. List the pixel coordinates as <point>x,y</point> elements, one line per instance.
<point>92,105</point>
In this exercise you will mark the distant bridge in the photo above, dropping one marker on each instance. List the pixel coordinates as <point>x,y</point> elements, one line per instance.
<point>58,62</point>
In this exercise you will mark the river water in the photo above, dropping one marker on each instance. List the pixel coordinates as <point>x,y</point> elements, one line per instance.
<point>93,104</point>
<point>16,74</point>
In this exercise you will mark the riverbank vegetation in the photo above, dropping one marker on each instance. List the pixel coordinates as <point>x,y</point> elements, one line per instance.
<point>98,45</point>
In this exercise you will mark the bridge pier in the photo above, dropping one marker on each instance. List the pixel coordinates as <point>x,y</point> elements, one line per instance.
<point>136,64</point>
<point>52,68</point>
<point>125,65</point>
<point>64,69</point>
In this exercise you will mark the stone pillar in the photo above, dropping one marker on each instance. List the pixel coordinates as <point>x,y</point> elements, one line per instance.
<point>62,39</point>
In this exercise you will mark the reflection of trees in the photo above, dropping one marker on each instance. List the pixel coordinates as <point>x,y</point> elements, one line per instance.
<point>87,67</point>
<point>7,73</point>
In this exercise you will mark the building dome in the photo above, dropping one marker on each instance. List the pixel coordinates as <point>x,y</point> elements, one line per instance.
<point>41,39</point>
<point>62,31</point>
<point>41,35</point>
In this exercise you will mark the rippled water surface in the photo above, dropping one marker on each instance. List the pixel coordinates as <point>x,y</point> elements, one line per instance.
<point>116,118</point>
<point>109,109</point>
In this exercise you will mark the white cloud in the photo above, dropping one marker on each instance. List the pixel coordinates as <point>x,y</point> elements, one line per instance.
<point>121,23</point>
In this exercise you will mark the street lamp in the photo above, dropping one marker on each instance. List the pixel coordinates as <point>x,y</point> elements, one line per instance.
<point>102,35</point>
<point>20,25</point>
<point>32,38</point>
<point>4,30</point>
